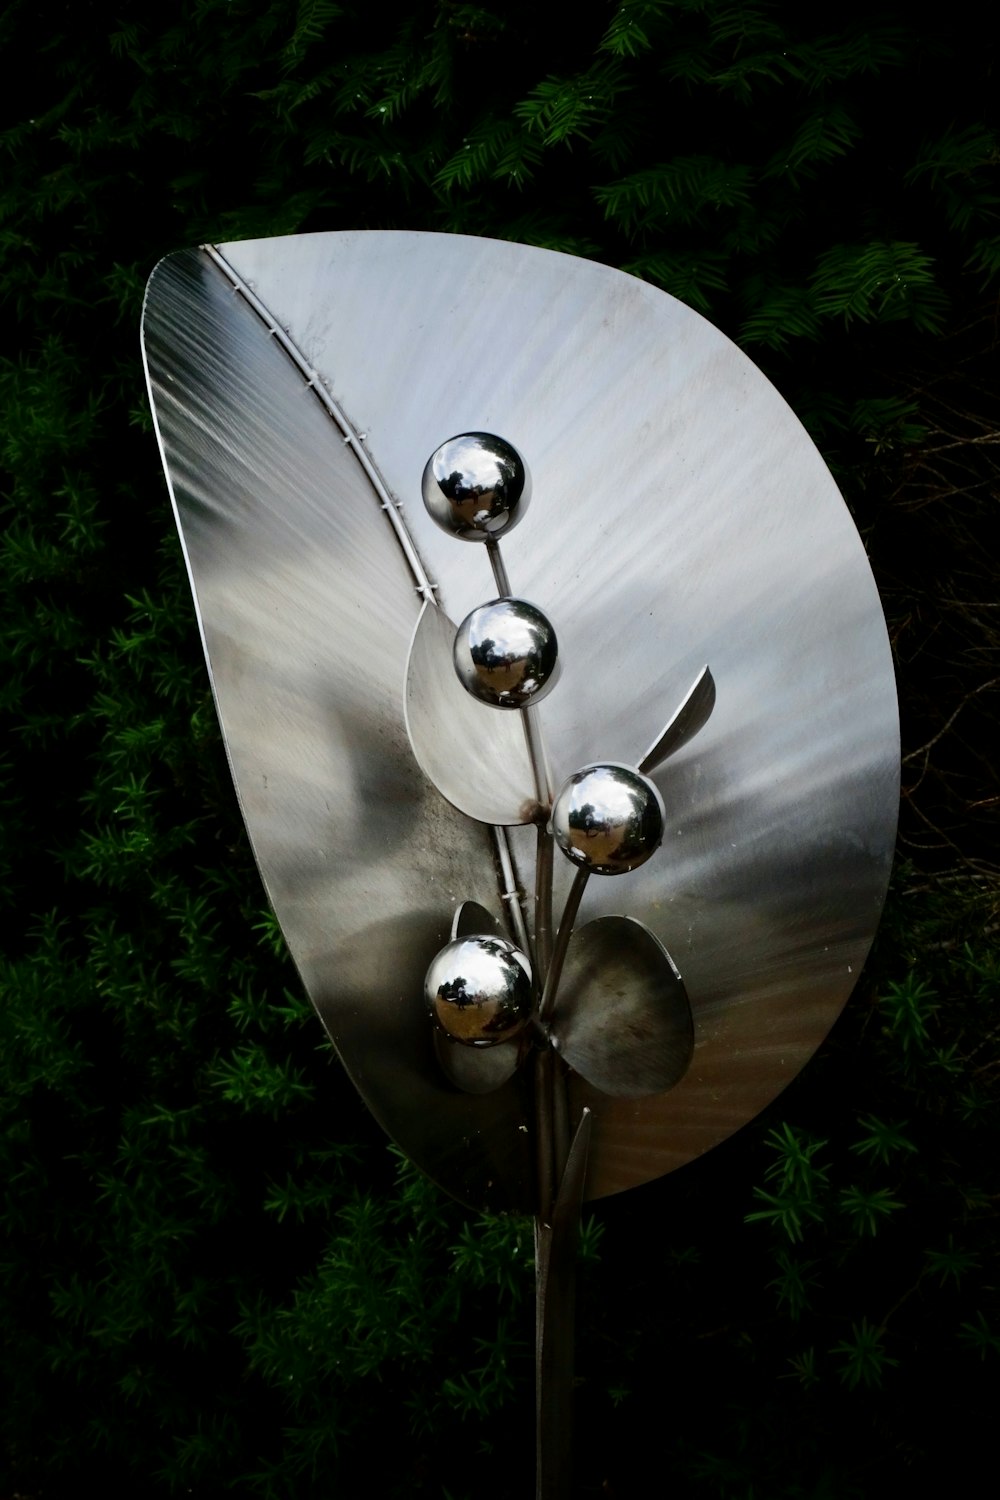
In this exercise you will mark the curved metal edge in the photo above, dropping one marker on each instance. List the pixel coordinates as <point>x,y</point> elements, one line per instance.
<point>622,1019</point>
<point>692,716</point>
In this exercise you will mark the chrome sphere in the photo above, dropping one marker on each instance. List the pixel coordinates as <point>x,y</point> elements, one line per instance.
<point>608,818</point>
<point>476,486</point>
<point>478,990</point>
<point>506,654</point>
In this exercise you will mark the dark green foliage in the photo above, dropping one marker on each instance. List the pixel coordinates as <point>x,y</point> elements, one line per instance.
<point>215,1277</point>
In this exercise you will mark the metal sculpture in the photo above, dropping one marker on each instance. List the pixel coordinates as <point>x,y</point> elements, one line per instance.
<point>424,797</point>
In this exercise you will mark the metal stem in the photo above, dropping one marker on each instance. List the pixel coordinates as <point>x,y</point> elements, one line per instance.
<point>559,1166</point>
<point>543,901</point>
<point>562,943</point>
<point>555,1251</point>
<point>499,571</point>
<point>538,758</point>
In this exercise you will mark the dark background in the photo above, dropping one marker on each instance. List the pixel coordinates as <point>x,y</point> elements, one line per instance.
<point>215,1275</point>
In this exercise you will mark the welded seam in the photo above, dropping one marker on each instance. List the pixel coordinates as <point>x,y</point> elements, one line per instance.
<point>350,437</point>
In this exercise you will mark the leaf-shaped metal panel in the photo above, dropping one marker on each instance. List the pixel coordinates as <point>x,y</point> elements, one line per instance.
<point>680,514</point>
<point>307,604</point>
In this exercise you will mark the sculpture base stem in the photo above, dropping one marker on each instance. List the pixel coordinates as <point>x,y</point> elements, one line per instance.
<point>555,1266</point>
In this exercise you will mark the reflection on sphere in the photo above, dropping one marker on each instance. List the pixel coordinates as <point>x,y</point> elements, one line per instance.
<point>476,486</point>
<point>608,819</point>
<point>506,654</point>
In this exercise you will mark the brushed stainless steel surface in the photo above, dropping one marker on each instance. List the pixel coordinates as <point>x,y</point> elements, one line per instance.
<point>307,602</point>
<point>609,819</point>
<point>476,486</point>
<point>640,422</point>
<point>506,654</point>
<point>478,990</point>
<point>477,759</point>
<point>692,716</point>
<point>622,1019</point>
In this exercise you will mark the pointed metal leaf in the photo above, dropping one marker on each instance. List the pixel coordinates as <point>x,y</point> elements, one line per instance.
<point>692,716</point>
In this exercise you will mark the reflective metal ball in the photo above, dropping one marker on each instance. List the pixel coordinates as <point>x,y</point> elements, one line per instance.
<point>478,990</point>
<point>476,486</point>
<point>608,818</point>
<point>506,654</point>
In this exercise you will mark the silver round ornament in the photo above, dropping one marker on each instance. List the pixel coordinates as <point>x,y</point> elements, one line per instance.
<point>608,818</point>
<point>476,486</point>
<point>506,653</point>
<point>478,990</point>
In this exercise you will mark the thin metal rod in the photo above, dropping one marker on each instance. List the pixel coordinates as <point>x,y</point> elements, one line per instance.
<point>555,1258</point>
<point>536,754</point>
<point>560,1166</point>
<point>545,1182</point>
<point>499,571</point>
<point>543,901</point>
<point>511,893</point>
<point>561,946</point>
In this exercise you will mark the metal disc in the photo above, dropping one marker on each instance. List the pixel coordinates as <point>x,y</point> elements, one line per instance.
<point>622,1018</point>
<point>680,514</point>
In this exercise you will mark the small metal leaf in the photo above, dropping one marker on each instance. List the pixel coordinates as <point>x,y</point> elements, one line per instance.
<point>473,920</point>
<point>622,1018</point>
<point>692,716</point>
<point>476,756</point>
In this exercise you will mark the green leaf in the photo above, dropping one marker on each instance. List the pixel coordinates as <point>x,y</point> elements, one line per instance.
<point>882,1140</point>
<point>867,1208</point>
<point>794,1283</point>
<point>909,1006</point>
<point>882,281</point>
<point>864,1360</point>
<point>950,1264</point>
<point>684,191</point>
<point>561,110</point>
<point>980,1336</point>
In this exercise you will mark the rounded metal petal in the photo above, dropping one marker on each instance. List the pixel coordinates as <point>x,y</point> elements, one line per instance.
<point>477,1070</point>
<point>476,486</point>
<point>476,759</point>
<point>608,819</point>
<point>622,1018</point>
<point>506,654</point>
